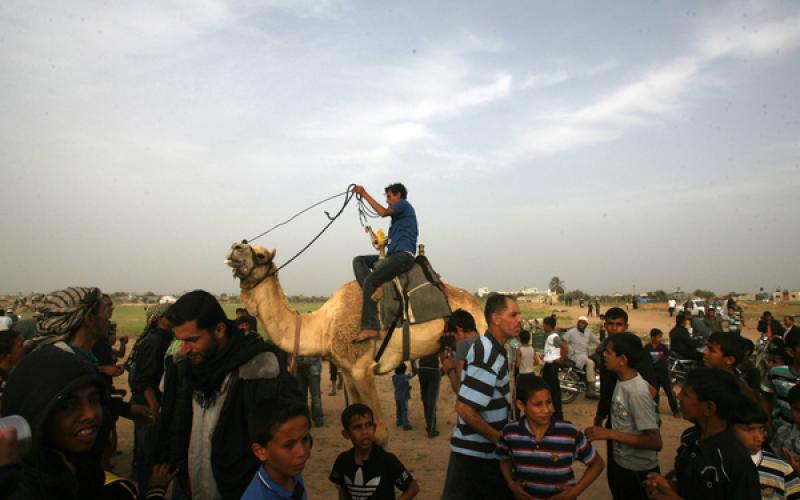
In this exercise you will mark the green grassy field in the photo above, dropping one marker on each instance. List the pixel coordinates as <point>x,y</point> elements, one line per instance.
<point>130,317</point>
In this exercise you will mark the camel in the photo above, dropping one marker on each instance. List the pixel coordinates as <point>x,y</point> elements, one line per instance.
<point>329,330</point>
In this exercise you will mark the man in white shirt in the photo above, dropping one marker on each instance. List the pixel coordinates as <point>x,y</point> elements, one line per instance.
<point>671,304</point>
<point>580,339</point>
<point>555,353</point>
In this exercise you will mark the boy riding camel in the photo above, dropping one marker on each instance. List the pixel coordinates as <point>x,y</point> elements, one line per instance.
<point>399,254</point>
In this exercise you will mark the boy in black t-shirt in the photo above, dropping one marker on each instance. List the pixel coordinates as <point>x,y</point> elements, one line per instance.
<point>367,471</point>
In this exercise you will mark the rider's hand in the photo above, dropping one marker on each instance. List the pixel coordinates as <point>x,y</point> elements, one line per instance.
<point>359,190</point>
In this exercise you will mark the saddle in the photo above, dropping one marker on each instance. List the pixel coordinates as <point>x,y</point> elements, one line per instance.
<point>416,296</point>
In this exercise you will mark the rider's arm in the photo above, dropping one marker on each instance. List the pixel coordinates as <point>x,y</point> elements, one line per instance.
<point>564,351</point>
<point>379,209</point>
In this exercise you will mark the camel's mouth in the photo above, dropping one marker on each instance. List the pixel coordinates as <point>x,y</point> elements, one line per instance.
<point>234,262</point>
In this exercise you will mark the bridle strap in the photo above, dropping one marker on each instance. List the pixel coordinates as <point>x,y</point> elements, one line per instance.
<point>293,360</point>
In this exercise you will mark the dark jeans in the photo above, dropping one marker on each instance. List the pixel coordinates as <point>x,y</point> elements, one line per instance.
<point>550,376</point>
<point>663,382</point>
<point>626,484</point>
<point>146,438</point>
<point>402,412</point>
<point>308,380</point>
<point>470,478</point>
<point>429,379</point>
<point>393,265</point>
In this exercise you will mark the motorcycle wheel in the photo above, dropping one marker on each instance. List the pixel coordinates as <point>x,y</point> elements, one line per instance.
<point>570,384</point>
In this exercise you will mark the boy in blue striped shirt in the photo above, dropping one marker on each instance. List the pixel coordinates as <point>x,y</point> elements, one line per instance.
<point>777,478</point>
<point>536,452</point>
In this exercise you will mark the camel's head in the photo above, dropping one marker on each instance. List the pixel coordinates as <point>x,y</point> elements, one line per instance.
<point>250,263</point>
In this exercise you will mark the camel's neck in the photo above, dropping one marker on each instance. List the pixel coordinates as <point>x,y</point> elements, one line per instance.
<point>268,302</point>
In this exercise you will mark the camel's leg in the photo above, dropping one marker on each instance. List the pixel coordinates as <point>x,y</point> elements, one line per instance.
<point>366,393</point>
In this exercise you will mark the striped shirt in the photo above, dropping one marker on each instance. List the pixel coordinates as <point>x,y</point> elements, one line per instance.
<point>544,468</point>
<point>484,387</point>
<point>778,383</point>
<point>778,479</point>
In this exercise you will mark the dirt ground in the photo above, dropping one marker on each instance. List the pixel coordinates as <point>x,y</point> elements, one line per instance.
<point>427,458</point>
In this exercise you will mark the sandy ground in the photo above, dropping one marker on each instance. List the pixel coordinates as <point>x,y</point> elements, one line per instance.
<point>427,458</point>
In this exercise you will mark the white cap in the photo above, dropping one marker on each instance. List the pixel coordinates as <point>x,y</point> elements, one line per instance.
<point>583,318</point>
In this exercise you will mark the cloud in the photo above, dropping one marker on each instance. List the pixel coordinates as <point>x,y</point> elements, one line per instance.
<point>658,93</point>
<point>752,41</point>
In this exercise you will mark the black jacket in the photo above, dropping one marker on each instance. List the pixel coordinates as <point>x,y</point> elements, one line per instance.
<point>680,341</point>
<point>777,327</point>
<point>260,377</point>
<point>33,391</point>
<point>148,363</point>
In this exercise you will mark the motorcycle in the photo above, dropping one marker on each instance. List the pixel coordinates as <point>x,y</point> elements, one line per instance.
<point>679,367</point>
<point>572,381</point>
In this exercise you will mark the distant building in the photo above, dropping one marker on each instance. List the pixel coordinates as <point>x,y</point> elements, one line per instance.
<point>786,296</point>
<point>167,299</point>
<point>483,292</point>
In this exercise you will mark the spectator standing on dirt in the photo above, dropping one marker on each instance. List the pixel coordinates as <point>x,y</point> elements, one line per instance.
<point>309,380</point>
<point>769,326</point>
<point>483,407</point>
<point>144,377</point>
<point>671,305</point>
<point>590,311</point>
<point>659,354</point>
<point>430,377</point>
<point>461,324</point>
<point>617,322</point>
<point>788,325</point>
<point>218,377</point>
<point>597,308</point>
<point>712,321</point>
<point>580,341</point>
<point>399,254</point>
<point>556,352</point>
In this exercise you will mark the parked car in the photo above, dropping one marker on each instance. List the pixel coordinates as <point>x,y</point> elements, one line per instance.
<point>698,307</point>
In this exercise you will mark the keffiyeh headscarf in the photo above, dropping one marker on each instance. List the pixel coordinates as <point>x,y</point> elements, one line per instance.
<point>65,309</point>
<point>153,313</point>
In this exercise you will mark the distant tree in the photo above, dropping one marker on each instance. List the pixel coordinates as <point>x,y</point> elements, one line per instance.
<point>119,294</point>
<point>576,295</point>
<point>557,285</point>
<point>149,294</point>
<point>660,295</point>
<point>705,294</point>
<point>762,296</point>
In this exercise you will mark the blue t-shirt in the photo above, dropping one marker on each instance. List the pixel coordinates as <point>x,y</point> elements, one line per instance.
<point>403,231</point>
<point>262,487</point>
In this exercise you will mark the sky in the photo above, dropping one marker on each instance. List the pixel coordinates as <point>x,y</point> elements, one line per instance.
<point>617,145</point>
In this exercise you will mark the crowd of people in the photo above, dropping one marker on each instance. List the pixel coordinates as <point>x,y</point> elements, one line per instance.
<point>219,412</point>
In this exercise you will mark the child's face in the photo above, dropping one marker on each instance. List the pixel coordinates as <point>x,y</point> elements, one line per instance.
<point>613,361</point>
<point>796,412</point>
<point>774,360</point>
<point>361,431</point>
<point>539,407</point>
<point>656,339</point>
<point>691,406</point>
<point>751,436</point>
<point>75,421</point>
<point>287,452</point>
<point>714,358</point>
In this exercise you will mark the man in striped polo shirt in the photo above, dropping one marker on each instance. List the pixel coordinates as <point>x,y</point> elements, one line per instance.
<point>483,408</point>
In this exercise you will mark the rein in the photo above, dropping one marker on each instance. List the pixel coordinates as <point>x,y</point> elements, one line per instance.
<point>364,212</point>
